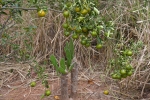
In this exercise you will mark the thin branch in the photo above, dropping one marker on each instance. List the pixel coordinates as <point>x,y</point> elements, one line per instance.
<point>21,8</point>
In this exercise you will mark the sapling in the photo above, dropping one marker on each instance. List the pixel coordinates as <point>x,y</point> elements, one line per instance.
<point>63,67</point>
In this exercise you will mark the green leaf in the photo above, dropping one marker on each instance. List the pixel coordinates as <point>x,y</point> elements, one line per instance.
<point>96,10</point>
<point>54,62</point>
<point>68,57</point>
<point>71,48</point>
<point>33,1</point>
<point>69,52</point>
<point>70,68</point>
<point>62,63</point>
<point>61,70</point>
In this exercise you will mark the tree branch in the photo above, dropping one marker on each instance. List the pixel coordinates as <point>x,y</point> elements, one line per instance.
<point>21,8</point>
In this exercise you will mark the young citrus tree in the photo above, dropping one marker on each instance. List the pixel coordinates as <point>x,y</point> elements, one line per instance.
<point>84,24</point>
<point>63,67</point>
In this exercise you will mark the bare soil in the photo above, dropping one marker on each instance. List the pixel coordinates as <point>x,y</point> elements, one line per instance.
<point>16,85</point>
<point>22,91</point>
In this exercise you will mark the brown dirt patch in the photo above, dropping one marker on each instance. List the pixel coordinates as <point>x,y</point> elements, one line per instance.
<point>25,92</point>
<point>91,84</point>
<point>16,86</point>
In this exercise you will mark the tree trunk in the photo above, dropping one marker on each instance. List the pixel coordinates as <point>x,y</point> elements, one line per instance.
<point>64,87</point>
<point>74,81</point>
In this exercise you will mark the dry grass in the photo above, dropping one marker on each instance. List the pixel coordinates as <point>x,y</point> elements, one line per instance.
<point>131,18</point>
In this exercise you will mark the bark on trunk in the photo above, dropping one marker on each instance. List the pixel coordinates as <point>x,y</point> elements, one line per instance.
<point>74,81</point>
<point>64,87</point>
